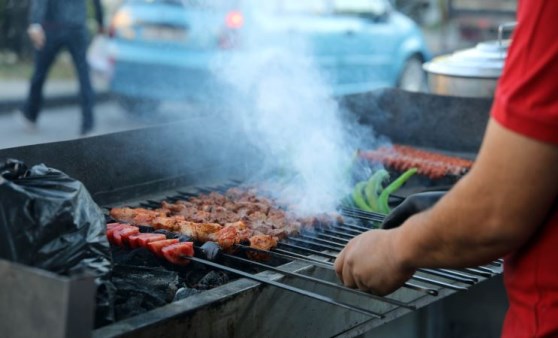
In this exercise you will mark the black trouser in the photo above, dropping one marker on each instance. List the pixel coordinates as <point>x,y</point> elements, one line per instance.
<point>75,39</point>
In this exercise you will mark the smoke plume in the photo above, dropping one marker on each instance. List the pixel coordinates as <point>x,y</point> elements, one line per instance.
<point>283,101</point>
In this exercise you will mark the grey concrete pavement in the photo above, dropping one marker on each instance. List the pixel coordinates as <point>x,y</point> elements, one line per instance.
<point>59,124</point>
<point>56,92</point>
<point>62,123</point>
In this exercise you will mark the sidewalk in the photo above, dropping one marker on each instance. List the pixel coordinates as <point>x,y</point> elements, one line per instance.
<point>13,92</point>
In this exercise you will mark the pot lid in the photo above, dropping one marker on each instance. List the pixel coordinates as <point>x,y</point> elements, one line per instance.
<point>485,60</point>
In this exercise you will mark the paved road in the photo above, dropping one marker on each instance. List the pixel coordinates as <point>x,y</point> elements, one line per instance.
<point>59,124</point>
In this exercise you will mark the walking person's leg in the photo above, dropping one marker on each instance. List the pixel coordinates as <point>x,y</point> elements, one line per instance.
<point>44,59</point>
<point>77,45</point>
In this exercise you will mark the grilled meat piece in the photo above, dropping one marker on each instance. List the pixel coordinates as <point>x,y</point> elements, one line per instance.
<point>136,216</point>
<point>232,234</point>
<point>168,223</point>
<point>261,242</point>
<point>123,214</point>
<point>227,238</point>
<point>201,232</point>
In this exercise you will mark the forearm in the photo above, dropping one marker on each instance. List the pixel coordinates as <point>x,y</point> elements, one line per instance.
<point>436,239</point>
<point>494,210</point>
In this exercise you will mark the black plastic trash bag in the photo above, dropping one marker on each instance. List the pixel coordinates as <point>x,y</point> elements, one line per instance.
<point>48,220</point>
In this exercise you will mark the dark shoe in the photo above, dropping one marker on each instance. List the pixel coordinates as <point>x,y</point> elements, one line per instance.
<point>86,132</point>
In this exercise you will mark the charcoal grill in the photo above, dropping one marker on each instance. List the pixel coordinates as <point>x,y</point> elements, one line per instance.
<point>168,162</point>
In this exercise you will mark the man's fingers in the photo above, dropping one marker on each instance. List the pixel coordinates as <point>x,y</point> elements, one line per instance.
<point>344,271</point>
<point>348,279</point>
<point>339,265</point>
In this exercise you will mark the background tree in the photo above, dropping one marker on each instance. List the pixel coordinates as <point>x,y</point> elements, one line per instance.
<point>13,26</point>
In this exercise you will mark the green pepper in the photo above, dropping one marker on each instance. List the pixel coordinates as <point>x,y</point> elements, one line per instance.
<point>383,206</point>
<point>374,188</point>
<point>358,196</point>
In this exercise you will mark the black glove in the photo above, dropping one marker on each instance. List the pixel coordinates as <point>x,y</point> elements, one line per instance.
<point>411,205</point>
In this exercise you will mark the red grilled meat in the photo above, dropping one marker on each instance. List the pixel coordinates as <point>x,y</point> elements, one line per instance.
<point>120,236</point>
<point>177,253</point>
<point>141,240</point>
<point>157,246</point>
<point>237,216</point>
<point>114,229</point>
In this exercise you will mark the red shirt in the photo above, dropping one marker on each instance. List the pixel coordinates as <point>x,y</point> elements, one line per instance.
<point>527,102</point>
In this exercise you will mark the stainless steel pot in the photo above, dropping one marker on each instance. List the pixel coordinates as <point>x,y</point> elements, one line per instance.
<point>471,72</point>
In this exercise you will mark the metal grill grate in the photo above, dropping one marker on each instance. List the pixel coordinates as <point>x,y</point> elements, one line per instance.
<point>318,249</point>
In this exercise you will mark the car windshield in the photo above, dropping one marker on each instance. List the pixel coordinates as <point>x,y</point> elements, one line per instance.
<point>190,3</point>
<point>303,7</point>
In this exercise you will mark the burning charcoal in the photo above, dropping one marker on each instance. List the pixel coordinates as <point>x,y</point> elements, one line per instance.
<point>185,293</point>
<point>137,257</point>
<point>212,279</point>
<point>210,250</point>
<point>141,289</point>
<point>145,229</point>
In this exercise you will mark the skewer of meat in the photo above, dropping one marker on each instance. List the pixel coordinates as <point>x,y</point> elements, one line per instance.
<point>226,236</point>
<point>237,216</point>
<point>429,164</point>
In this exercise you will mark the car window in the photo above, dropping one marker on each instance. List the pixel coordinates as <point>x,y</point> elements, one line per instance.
<point>156,1</point>
<point>360,7</point>
<point>316,7</point>
<point>210,3</point>
<point>194,3</point>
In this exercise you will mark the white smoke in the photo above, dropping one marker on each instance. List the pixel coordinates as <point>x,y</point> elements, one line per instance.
<point>285,105</point>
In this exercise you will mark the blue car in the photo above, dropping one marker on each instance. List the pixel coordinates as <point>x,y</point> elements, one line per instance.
<point>172,49</point>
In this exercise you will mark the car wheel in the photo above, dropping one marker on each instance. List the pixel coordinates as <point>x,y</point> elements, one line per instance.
<point>413,77</point>
<point>139,107</point>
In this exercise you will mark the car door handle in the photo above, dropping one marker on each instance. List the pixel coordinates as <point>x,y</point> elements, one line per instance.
<point>350,33</point>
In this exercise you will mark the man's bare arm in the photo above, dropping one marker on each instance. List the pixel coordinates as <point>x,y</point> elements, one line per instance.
<point>492,211</point>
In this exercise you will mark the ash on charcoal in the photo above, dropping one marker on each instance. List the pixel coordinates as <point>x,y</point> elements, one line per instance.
<point>140,289</point>
<point>145,282</point>
<point>212,279</point>
<point>203,278</point>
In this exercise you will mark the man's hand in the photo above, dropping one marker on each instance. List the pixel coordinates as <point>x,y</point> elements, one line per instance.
<point>411,205</point>
<point>370,263</point>
<point>37,36</point>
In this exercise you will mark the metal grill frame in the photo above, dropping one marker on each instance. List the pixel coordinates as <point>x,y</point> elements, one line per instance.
<point>138,164</point>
